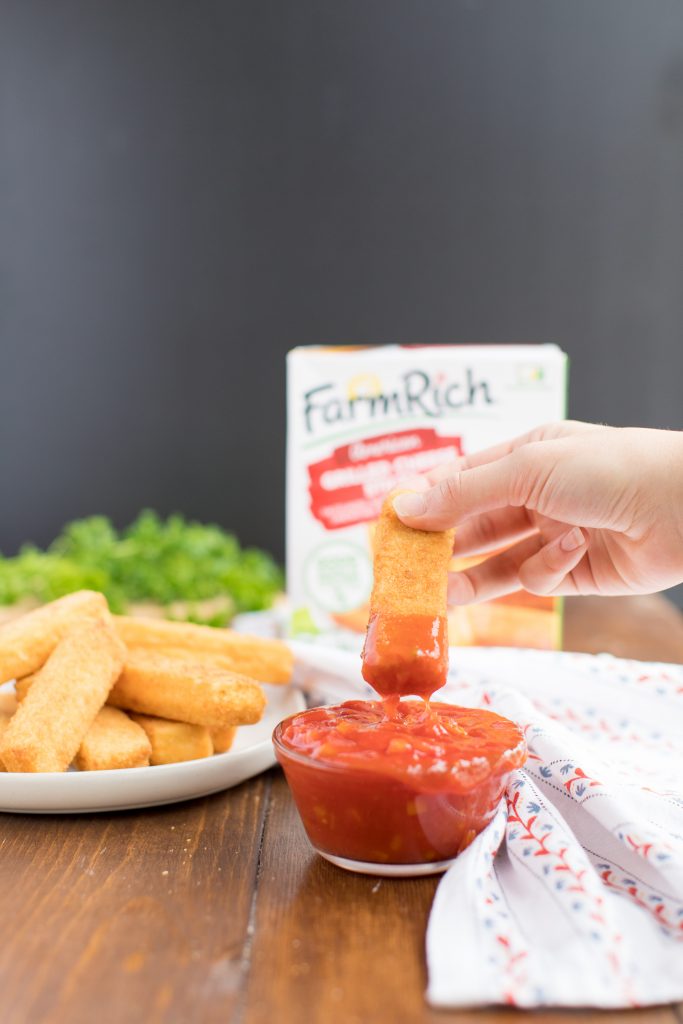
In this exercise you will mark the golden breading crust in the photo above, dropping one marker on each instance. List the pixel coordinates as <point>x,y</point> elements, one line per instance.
<point>26,643</point>
<point>222,738</point>
<point>411,567</point>
<point>174,741</point>
<point>269,661</point>
<point>4,722</point>
<point>113,741</point>
<point>406,644</point>
<point>22,686</point>
<point>51,722</point>
<point>186,691</point>
<point>8,702</point>
<point>193,691</point>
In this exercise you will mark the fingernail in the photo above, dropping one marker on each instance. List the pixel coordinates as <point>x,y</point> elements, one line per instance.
<point>572,540</point>
<point>410,504</point>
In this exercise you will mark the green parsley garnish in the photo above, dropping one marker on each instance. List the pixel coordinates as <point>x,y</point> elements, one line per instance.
<point>193,570</point>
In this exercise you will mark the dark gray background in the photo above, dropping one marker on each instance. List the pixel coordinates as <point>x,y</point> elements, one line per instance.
<point>187,189</point>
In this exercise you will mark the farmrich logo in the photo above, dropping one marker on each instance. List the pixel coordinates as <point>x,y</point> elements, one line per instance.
<point>418,393</point>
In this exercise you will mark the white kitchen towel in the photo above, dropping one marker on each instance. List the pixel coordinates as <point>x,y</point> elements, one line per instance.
<point>573,895</point>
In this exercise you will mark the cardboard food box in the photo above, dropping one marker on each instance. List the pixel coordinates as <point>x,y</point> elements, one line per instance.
<point>362,419</point>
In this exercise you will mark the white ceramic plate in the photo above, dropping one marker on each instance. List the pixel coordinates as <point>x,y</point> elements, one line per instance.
<point>126,788</point>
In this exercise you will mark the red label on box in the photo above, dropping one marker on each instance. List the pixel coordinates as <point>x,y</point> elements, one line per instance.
<point>349,487</point>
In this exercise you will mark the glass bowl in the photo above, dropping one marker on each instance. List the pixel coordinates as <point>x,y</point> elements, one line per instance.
<point>377,818</point>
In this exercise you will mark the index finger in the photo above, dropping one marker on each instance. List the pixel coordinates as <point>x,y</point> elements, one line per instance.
<point>495,485</point>
<point>547,432</point>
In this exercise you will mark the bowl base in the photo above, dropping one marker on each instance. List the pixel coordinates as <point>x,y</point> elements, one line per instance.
<point>366,867</point>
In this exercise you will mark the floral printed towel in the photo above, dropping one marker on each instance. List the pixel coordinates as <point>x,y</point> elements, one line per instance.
<point>573,895</point>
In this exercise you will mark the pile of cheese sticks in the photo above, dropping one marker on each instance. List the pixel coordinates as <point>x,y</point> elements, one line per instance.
<point>101,691</point>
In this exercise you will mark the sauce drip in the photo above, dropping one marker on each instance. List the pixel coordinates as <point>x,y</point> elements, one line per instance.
<point>406,654</point>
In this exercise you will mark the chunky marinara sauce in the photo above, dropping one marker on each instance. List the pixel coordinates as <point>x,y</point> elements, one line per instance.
<point>397,782</point>
<point>406,654</point>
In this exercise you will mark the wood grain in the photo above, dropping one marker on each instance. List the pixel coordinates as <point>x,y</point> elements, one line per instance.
<point>132,916</point>
<point>328,945</point>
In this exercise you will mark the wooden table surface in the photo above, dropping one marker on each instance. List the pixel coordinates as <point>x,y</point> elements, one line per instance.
<point>217,909</point>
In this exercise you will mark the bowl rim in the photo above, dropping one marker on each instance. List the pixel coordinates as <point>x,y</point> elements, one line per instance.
<point>297,755</point>
<point>343,769</point>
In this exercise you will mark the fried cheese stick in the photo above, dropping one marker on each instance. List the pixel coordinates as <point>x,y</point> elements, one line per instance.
<point>53,718</point>
<point>22,686</point>
<point>27,642</point>
<point>182,690</point>
<point>270,661</point>
<point>152,684</point>
<point>108,745</point>
<point>174,741</point>
<point>4,722</point>
<point>187,691</point>
<point>406,645</point>
<point>8,703</point>
<point>113,741</point>
<point>222,738</point>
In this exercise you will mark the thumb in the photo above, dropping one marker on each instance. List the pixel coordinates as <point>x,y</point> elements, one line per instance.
<point>498,484</point>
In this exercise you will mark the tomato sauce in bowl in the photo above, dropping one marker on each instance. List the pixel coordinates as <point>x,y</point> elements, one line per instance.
<point>396,783</point>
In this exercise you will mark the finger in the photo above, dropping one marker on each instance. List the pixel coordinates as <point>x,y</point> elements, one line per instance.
<point>547,432</point>
<point>492,530</point>
<point>545,572</point>
<point>439,473</point>
<point>530,565</point>
<point>493,486</point>
<point>525,476</point>
<point>495,577</point>
<point>411,482</point>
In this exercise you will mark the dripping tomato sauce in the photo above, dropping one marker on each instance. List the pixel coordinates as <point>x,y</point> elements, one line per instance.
<point>397,782</point>
<point>406,654</point>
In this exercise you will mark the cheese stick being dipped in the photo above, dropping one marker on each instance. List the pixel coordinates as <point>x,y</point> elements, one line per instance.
<point>406,645</point>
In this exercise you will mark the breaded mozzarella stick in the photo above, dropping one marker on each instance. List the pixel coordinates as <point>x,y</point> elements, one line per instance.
<point>8,703</point>
<point>27,642</point>
<point>222,738</point>
<point>51,722</point>
<point>113,741</point>
<point>406,645</point>
<point>152,684</point>
<point>4,722</point>
<point>269,661</point>
<point>186,691</point>
<point>174,741</point>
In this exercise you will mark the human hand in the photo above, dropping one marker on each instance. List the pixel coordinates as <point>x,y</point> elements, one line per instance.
<point>581,509</point>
